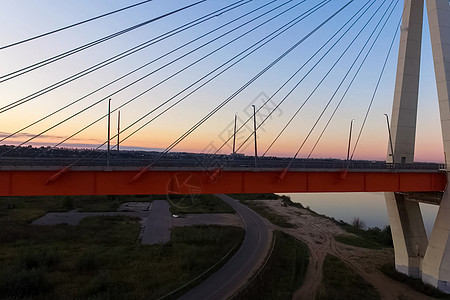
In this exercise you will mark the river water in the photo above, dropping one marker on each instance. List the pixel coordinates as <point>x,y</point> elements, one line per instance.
<point>369,207</point>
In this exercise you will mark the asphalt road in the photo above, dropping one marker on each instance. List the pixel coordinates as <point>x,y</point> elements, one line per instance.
<point>158,224</point>
<point>228,279</point>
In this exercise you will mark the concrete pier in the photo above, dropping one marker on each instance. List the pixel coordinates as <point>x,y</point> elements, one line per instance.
<point>436,263</point>
<point>414,256</point>
<point>405,218</point>
<point>408,234</point>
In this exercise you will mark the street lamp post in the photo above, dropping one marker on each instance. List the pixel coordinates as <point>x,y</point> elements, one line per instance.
<point>118,131</point>
<point>108,157</point>
<point>234,135</point>
<point>254,133</point>
<point>350,139</point>
<point>390,139</point>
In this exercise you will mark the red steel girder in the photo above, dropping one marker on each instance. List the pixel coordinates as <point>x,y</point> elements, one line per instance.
<point>101,182</point>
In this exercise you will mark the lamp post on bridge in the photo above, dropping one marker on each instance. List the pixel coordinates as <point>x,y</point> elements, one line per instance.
<point>390,139</point>
<point>118,131</point>
<point>254,133</point>
<point>108,157</point>
<point>350,139</point>
<point>234,135</point>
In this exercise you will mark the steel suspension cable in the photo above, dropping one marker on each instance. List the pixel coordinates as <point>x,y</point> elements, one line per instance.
<point>209,16</point>
<point>291,23</point>
<point>154,86</point>
<point>324,77</point>
<point>374,92</point>
<point>55,58</point>
<point>276,107</point>
<point>193,128</point>
<point>318,6</point>
<point>73,25</point>
<point>323,111</point>
<point>129,85</point>
<point>301,68</point>
<point>346,91</point>
<point>350,69</point>
<point>122,55</point>
<point>272,36</point>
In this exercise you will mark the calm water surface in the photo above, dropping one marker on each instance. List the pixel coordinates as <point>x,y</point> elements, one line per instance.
<point>370,207</point>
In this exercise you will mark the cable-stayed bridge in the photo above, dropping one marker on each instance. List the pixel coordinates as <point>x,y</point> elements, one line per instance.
<point>173,78</point>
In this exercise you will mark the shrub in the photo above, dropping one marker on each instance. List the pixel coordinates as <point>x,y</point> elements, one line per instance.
<point>341,282</point>
<point>32,259</point>
<point>88,262</point>
<point>287,200</point>
<point>358,223</point>
<point>383,237</point>
<point>104,287</point>
<point>68,203</point>
<point>17,283</point>
<point>414,283</point>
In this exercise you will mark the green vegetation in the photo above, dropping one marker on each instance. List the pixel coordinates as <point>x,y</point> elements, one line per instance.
<point>372,238</point>
<point>30,208</point>
<point>287,200</point>
<point>100,258</point>
<point>356,241</point>
<point>269,214</point>
<point>266,196</point>
<point>414,283</point>
<point>105,203</point>
<point>196,204</point>
<point>284,272</point>
<point>341,282</point>
<point>179,204</point>
<point>251,201</point>
<point>19,210</point>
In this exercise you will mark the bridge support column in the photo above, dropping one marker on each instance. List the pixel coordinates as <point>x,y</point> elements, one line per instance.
<point>405,218</point>
<point>436,263</point>
<point>408,234</point>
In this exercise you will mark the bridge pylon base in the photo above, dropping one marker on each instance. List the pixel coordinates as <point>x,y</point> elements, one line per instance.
<point>408,234</point>
<point>436,263</point>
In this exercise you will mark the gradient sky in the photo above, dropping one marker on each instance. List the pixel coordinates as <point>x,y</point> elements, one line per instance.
<point>26,18</point>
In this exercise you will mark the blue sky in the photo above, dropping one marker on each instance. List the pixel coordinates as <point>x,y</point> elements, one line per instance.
<point>22,19</point>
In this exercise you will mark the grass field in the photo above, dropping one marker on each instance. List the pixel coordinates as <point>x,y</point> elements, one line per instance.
<point>356,241</point>
<point>262,196</point>
<point>341,282</point>
<point>196,204</point>
<point>415,283</point>
<point>99,258</point>
<point>269,214</point>
<point>284,273</point>
<point>371,238</point>
<point>30,208</point>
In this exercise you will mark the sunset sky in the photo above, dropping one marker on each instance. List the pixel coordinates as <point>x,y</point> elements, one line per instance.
<point>23,19</point>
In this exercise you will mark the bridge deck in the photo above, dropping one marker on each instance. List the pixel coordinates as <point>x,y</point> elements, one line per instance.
<point>123,181</point>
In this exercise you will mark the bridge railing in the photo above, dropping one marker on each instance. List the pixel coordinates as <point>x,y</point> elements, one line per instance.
<point>202,163</point>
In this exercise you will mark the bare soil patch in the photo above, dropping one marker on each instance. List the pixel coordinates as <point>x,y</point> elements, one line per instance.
<point>318,233</point>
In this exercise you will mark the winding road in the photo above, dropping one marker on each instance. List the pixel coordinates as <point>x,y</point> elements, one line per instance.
<point>235,273</point>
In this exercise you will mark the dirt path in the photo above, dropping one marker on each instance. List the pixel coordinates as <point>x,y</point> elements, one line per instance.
<point>318,233</point>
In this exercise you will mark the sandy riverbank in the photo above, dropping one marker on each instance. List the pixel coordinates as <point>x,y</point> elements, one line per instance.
<point>318,233</point>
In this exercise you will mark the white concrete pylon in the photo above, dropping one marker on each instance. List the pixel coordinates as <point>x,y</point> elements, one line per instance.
<point>408,234</point>
<point>405,218</point>
<point>436,263</point>
<point>406,94</point>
